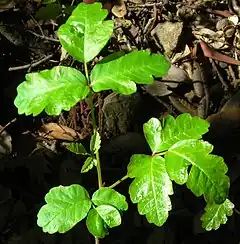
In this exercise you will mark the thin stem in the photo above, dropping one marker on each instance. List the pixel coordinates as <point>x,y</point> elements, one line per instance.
<point>99,172</point>
<point>119,181</point>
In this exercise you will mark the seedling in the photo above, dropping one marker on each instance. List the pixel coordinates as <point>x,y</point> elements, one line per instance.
<point>178,152</point>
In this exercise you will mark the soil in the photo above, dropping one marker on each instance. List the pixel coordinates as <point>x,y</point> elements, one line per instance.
<point>197,40</point>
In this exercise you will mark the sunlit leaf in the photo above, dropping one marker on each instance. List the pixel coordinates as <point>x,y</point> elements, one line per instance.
<point>85,33</point>
<point>88,164</point>
<point>152,132</point>
<point>151,187</point>
<point>207,174</point>
<point>215,215</point>
<point>108,196</point>
<point>122,74</point>
<point>95,142</point>
<point>53,90</point>
<point>110,215</point>
<point>66,206</point>
<point>96,225</point>
<point>161,136</point>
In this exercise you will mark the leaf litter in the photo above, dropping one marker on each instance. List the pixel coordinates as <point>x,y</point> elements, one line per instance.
<point>202,45</point>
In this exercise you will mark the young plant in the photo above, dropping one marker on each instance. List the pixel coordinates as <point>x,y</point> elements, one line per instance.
<point>178,152</point>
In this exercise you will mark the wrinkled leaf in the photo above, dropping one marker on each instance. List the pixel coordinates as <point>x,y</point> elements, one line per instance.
<point>53,90</point>
<point>215,215</point>
<point>77,148</point>
<point>96,225</point>
<point>95,142</point>
<point>66,206</point>
<point>110,215</point>
<point>108,196</point>
<point>88,164</point>
<point>161,136</point>
<point>207,175</point>
<point>85,33</point>
<point>152,132</point>
<point>122,74</point>
<point>151,187</point>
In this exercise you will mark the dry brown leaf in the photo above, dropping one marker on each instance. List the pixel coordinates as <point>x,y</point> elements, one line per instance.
<point>119,10</point>
<point>210,53</point>
<point>58,132</point>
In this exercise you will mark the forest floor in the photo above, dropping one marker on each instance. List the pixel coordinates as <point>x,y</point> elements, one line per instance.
<point>200,38</point>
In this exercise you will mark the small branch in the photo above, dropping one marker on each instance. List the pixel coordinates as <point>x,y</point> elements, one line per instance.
<point>43,37</point>
<point>9,123</point>
<point>119,181</point>
<point>237,211</point>
<point>97,240</point>
<point>31,65</point>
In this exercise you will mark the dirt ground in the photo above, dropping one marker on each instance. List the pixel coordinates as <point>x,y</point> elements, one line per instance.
<point>200,38</point>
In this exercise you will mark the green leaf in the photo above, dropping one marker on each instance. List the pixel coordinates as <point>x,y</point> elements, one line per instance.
<point>207,175</point>
<point>108,196</point>
<point>161,136</point>
<point>183,127</point>
<point>152,132</point>
<point>66,206</point>
<point>95,142</point>
<point>151,187</point>
<point>88,164</point>
<point>96,225</point>
<point>85,33</point>
<point>77,148</point>
<point>215,215</point>
<point>121,74</point>
<point>110,215</point>
<point>51,11</point>
<point>53,90</point>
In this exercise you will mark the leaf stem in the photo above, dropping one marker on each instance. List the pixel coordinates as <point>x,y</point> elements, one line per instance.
<point>99,172</point>
<point>119,181</point>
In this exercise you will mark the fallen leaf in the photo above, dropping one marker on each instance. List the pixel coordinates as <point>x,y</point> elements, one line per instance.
<point>119,10</point>
<point>210,53</point>
<point>58,132</point>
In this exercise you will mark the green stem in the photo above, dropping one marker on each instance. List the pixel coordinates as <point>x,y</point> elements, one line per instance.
<point>119,181</point>
<point>99,172</point>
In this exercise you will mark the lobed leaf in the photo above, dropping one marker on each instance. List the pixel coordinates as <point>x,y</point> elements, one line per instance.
<point>66,206</point>
<point>110,215</point>
<point>122,73</point>
<point>216,214</point>
<point>96,225</point>
<point>161,136</point>
<point>152,132</point>
<point>108,196</point>
<point>88,164</point>
<point>95,142</point>
<point>207,174</point>
<point>85,32</point>
<point>77,148</point>
<point>54,90</point>
<point>151,187</point>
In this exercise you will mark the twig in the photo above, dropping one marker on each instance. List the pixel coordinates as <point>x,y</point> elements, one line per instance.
<point>225,85</point>
<point>97,240</point>
<point>31,65</point>
<point>9,123</point>
<point>148,5</point>
<point>119,181</point>
<point>36,22</point>
<point>43,37</point>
